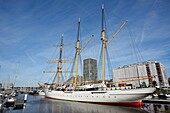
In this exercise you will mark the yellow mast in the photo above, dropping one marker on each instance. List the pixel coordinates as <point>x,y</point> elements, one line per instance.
<point>77,53</point>
<point>58,72</point>
<point>59,62</point>
<point>103,45</point>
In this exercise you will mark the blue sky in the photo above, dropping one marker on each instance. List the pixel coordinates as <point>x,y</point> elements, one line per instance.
<point>29,28</point>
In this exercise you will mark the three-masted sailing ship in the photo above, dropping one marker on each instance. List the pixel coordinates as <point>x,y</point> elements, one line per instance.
<point>99,93</point>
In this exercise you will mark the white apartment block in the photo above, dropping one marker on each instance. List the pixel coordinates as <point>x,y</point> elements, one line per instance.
<point>149,73</point>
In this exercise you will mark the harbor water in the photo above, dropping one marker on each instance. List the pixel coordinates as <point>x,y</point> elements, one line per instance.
<point>39,104</point>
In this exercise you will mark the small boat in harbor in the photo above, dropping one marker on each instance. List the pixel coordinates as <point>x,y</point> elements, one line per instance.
<point>1,101</point>
<point>99,91</point>
<point>9,101</point>
<point>41,92</point>
<point>167,95</point>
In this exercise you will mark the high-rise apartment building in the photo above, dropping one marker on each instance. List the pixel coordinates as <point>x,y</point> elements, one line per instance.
<point>90,69</point>
<point>149,73</point>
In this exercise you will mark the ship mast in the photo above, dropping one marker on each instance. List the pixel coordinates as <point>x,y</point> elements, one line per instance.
<point>103,45</point>
<point>77,52</point>
<point>58,72</point>
<point>59,63</point>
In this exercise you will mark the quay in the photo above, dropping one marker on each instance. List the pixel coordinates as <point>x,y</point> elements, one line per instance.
<point>26,89</point>
<point>157,101</point>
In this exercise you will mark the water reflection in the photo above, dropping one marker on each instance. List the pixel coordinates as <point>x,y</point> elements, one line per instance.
<point>37,104</point>
<point>57,106</point>
<point>91,108</point>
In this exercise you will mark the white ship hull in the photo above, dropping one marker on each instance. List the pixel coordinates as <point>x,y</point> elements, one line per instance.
<point>131,96</point>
